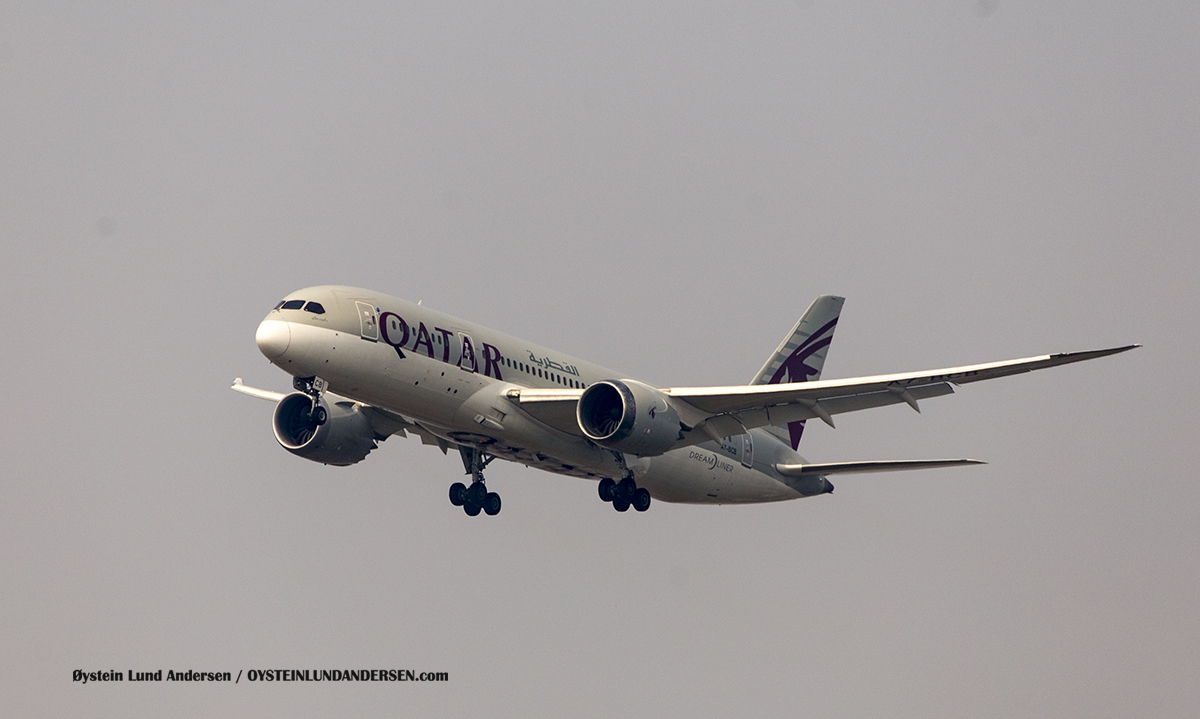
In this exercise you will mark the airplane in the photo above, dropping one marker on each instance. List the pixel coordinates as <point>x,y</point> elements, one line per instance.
<point>367,366</point>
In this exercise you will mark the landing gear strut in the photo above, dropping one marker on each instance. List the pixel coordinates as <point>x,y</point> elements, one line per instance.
<point>314,387</point>
<point>475,498</point>
<point>626,493</point>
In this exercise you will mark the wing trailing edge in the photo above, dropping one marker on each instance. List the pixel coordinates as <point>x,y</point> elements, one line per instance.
<point>711,412</point>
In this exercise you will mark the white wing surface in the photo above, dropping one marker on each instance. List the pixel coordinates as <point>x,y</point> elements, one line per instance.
<point>714,412</point>
<point>266,394</point>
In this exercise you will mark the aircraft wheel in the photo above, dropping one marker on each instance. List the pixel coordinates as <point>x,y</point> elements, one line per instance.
<point>606,489</point>
<point>641,499</point>
<point>458,494</point>
<point>491,504</point>
<point>476,494</point>
<point>625,489</point>
<point>319,416</point>
<point>620,504</point>
<point>471,508</point>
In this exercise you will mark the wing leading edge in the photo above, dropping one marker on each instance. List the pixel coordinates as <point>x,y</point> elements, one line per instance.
<point>715,412</point>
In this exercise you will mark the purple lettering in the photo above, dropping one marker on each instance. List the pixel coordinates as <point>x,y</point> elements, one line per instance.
<point>445,343</point>
<point>491,361</point>
<point>391,322</point>
<point>423,339</point>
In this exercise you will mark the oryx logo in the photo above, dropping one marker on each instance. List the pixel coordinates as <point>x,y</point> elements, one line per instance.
<point>651,411</point>
<point>794,369</point>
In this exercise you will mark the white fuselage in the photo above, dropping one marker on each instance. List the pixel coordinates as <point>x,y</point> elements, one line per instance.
<point>452,378</point>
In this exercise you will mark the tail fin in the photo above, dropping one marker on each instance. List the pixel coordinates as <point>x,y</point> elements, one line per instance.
<point>801,355</point>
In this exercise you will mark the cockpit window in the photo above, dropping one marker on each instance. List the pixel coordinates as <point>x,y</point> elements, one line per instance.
<point>279,305</point>
<point>315,308</point>
<point>292,305</point>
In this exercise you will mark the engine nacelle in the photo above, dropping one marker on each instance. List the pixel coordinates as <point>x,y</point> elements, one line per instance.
<point>629,417</point>
<point>345,437</point>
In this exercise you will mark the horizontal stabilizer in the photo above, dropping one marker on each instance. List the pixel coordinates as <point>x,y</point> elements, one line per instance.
<point>895,465</point>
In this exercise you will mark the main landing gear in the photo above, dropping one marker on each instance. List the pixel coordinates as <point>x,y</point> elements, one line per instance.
<point>625,494</point>
<point>475,498</point>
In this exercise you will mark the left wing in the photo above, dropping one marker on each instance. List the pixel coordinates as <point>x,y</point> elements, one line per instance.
<point>717,412</point>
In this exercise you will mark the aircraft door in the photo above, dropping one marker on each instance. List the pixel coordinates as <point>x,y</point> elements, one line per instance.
<point>747,450</point>
<point>466,356</point>
<point>368,321</point>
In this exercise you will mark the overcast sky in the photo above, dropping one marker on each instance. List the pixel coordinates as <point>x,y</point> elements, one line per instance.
<point>658,188</point>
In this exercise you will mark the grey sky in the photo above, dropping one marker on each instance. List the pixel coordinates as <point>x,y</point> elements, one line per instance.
<point>660,189</point>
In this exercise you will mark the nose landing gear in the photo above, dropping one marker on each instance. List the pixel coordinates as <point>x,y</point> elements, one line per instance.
<point>475,498</point>
<point>314,387</point>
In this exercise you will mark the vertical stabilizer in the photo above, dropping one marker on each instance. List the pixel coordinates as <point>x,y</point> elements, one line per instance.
<point>801,355</point>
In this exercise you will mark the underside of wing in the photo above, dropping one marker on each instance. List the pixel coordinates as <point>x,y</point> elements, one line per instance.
<point>715,412</point>
<point>266,394</point>
<point>553,407</point>
<point>384,423</point>
<point>723,411</point>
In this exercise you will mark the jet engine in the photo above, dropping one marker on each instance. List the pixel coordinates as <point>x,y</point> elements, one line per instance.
<point>337,433</point>
<point>628,416</point>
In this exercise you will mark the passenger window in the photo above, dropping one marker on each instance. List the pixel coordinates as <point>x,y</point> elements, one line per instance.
<point>293,304</point>
<point>315,308</point>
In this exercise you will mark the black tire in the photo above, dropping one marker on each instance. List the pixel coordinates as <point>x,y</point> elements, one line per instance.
<point>620,504</point>
<point>491,504</point>
<point>606,489</point>
<point>458,494</point>
<point>471,508</point>
<point>641,499</point>
<point>476,493</point>
<point>319,416</point>
<point>625,489</point>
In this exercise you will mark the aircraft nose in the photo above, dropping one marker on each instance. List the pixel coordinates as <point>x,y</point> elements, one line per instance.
<point>273,338</point>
